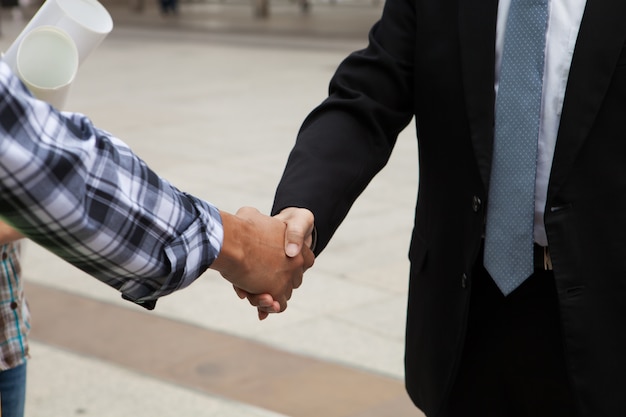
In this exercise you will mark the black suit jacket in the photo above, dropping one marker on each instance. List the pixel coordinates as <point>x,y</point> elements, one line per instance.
<point>434,59</point>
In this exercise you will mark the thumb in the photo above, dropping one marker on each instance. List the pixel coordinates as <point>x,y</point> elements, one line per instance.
<point>299,223</point>
<point>293,241</point>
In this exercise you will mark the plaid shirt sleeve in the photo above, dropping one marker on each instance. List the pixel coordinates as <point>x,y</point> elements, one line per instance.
<point>84,195</point>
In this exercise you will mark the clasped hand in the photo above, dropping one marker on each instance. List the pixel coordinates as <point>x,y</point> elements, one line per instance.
<point>265,257</point>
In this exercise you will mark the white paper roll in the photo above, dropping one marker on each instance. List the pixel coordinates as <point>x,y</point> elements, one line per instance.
<point>47,63</point>
<point>87,22</point>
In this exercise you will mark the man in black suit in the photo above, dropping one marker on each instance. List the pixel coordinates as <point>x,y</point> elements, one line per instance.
<point>555,345</point>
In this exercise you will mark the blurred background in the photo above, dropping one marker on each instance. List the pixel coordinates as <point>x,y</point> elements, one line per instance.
<point>211,94</point>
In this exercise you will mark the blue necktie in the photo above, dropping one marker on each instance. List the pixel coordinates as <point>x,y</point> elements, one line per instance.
<point>511,205</point>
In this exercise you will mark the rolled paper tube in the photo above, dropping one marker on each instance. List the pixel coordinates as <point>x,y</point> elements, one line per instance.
<point>87,22</point>
<point>47,63</point>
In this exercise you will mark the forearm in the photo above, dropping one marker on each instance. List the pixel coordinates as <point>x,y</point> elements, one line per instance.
<point>84,195</point>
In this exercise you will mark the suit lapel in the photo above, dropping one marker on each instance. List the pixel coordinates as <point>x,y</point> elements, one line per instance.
<point>477,32</point>
<point>600,40</point>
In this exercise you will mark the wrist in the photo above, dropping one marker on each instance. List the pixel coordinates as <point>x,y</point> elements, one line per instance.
<point>232,251</point>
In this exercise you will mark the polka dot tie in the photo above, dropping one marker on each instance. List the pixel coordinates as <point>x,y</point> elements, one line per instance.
<point>510,212</point>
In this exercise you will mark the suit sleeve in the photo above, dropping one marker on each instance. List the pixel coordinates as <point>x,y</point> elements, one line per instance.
<point>348,139</point>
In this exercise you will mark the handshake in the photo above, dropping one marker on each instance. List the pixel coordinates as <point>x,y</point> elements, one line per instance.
<point>265,257</point>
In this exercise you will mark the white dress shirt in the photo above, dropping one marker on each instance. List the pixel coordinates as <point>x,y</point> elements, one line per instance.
<point>563,23</point>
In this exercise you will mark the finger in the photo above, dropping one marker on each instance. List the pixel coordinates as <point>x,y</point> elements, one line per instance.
<point>241,293</point>
<point>264,312</point>
<point>274,308</point>
<point>287,293</point>
<point>309,258</point>
<point>262,300</point>
<point>282,303</point>
<point>296,281</point>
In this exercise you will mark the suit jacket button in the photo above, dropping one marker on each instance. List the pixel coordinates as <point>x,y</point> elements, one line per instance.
<point>464,281</point>
<point>476,203</point>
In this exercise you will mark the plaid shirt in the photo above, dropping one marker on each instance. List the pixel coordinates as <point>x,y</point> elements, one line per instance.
<point>84,195</point>
<point>14,314</point>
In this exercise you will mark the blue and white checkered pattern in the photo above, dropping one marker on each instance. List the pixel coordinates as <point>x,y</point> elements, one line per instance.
<point>84,195</point>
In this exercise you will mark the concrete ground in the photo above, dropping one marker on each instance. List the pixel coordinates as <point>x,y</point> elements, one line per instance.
<point>212,100</point>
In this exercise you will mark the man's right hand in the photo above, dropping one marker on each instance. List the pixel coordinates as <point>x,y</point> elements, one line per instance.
<point>253,259</point>
<point>298,239</point>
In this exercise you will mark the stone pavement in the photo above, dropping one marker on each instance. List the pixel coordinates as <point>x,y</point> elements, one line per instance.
<point>212,100</point>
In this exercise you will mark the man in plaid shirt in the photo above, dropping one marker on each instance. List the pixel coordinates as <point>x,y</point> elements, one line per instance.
<point>84,195</point>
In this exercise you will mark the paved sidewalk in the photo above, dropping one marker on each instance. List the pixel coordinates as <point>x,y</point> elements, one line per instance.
<point>214,107</point>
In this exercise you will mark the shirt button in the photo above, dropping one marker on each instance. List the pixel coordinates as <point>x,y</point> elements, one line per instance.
<point>13,305</point>
<point>4,256</point>
<point>476,203</point>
